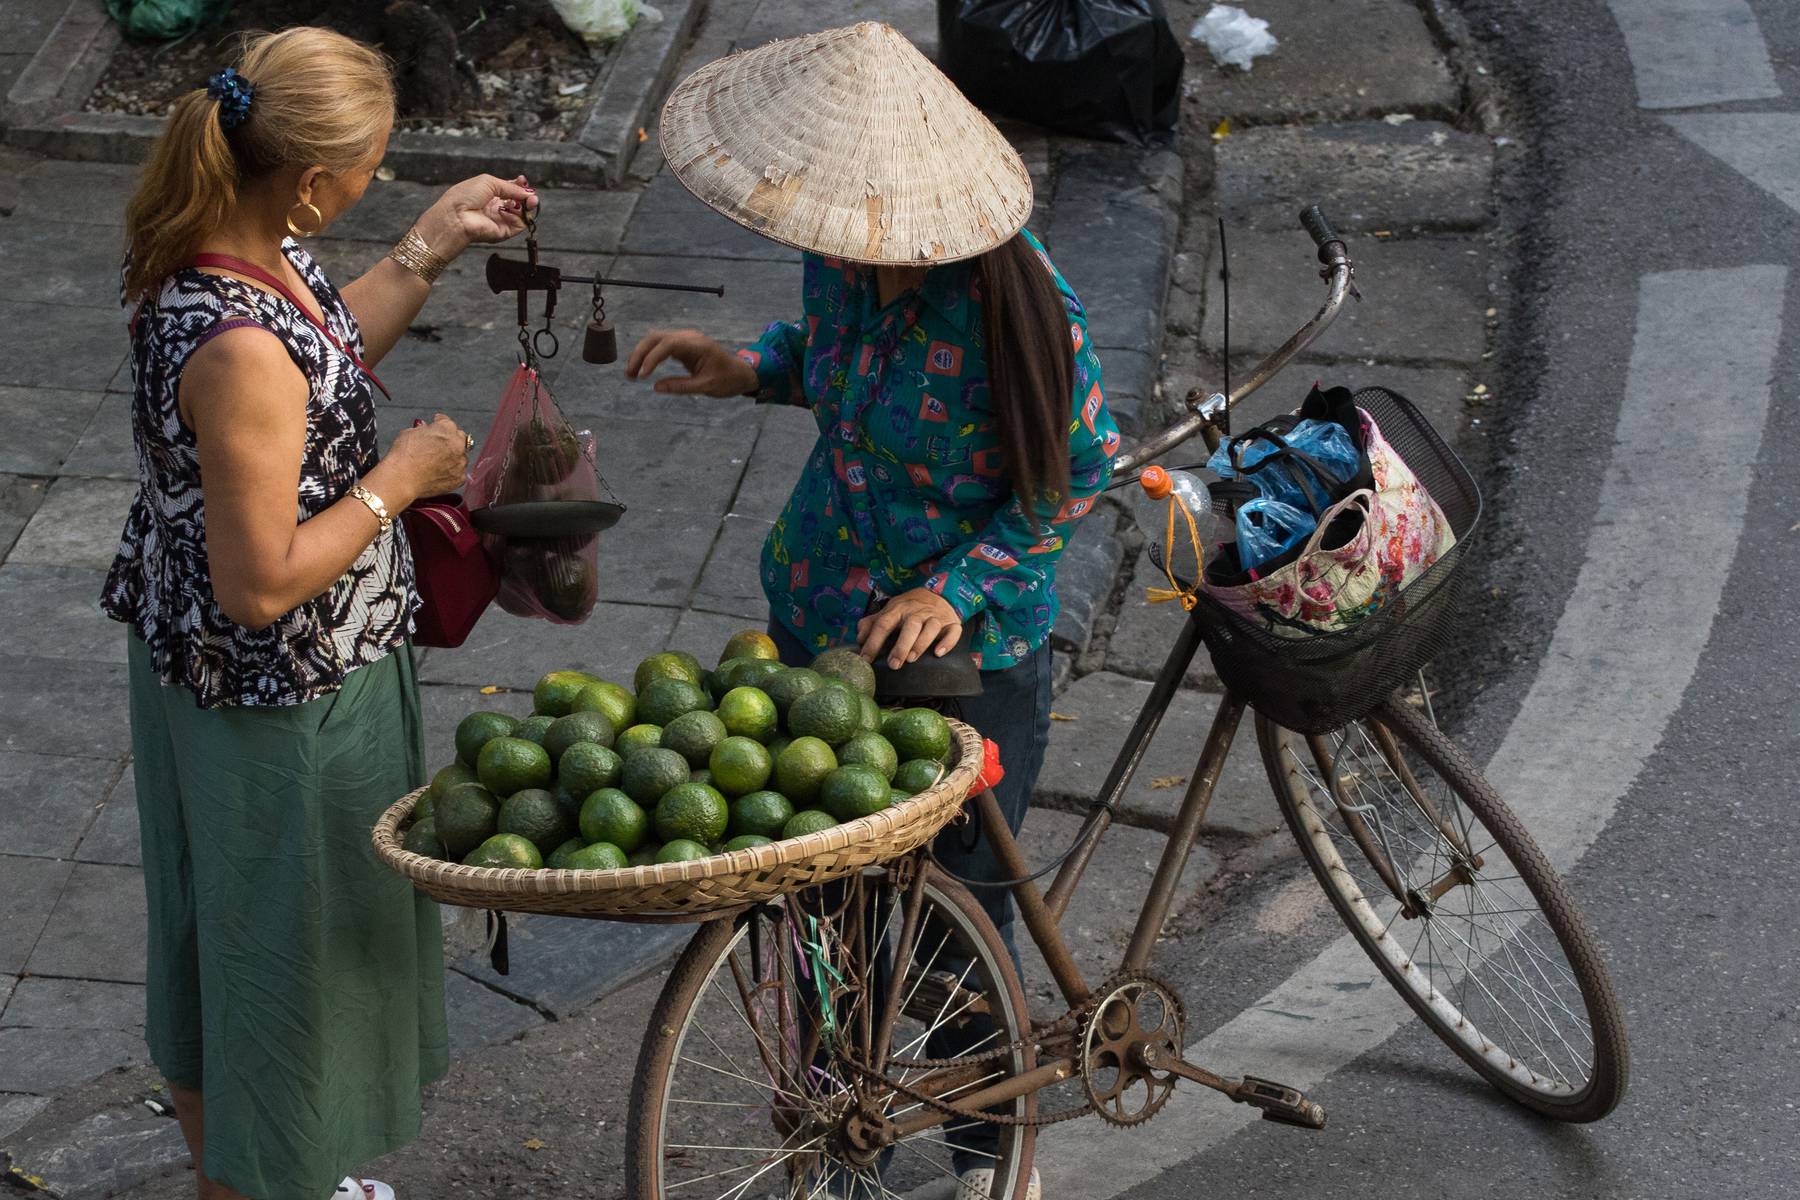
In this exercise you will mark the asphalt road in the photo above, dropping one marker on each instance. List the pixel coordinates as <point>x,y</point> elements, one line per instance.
<point>1636,673</point>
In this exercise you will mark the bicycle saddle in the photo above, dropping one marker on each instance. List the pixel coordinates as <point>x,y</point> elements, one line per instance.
<point>931,677</point>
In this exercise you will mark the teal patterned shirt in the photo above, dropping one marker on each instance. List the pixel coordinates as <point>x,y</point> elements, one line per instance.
<point>907,485</point>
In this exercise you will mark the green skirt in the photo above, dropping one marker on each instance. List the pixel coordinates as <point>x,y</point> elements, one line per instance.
<point>293,980</point>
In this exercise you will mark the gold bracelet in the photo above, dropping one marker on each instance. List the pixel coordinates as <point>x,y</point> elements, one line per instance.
<point>415,255</point>
<point>375,506</point>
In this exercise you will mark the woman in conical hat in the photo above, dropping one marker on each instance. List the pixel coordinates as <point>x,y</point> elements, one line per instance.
<point>963,430</point>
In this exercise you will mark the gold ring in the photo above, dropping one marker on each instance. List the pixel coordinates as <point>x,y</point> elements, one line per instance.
<point>468,442</point>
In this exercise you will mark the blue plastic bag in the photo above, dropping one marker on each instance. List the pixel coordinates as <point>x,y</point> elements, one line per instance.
<point>1267,529</point>
<point>1291,481</point>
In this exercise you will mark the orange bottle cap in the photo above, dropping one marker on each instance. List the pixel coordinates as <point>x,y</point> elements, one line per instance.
<point>1156,483</point>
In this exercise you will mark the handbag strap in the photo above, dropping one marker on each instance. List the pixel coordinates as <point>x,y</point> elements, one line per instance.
<point>229,262</point>
<point>1284,452</point>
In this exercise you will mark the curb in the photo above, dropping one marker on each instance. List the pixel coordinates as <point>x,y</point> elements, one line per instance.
<point>43,110</point>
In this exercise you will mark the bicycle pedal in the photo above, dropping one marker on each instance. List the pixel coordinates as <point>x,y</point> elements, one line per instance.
<point>1282,1103</point>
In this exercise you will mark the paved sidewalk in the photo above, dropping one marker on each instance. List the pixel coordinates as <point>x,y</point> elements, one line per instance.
<point>703,479</point>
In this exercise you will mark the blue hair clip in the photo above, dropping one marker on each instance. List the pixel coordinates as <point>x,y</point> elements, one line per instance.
<point>234,93</point>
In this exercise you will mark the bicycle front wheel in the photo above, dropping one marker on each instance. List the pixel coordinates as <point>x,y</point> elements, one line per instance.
<point>784,1039</point>
<point>1456,904</point>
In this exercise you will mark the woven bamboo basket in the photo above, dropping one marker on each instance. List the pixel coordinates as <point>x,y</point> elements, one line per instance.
<point>716,884</point>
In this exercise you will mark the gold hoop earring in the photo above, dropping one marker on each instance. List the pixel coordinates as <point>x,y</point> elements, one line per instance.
<point>318,221</point>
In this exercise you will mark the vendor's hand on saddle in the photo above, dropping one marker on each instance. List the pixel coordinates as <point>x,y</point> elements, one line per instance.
<point>712,370</point>
<point>918,621</point>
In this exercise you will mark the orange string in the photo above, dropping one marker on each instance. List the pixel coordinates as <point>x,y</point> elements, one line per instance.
<point>1187,596</point>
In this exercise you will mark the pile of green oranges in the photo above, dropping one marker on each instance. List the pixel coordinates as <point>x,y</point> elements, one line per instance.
<point>684,764</point>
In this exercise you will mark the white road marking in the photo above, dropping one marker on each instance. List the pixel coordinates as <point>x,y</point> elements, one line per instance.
<point>1696,399</point>
<point>1765,147</point>
<point>1686,53</point>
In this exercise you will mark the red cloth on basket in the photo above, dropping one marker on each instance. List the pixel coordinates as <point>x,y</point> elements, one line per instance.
<point>991,770</point>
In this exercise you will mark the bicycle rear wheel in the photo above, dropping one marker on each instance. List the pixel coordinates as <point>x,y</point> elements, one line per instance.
<point>756,1082</point>
<point>1452,899</point>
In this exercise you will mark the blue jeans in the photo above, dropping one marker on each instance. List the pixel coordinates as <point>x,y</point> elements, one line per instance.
<point>1013,711</point>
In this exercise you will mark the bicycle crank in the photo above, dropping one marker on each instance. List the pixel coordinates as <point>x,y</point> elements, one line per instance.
<point>1278,1101</point>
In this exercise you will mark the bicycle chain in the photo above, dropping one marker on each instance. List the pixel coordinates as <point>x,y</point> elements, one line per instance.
<point>1076,1017</point>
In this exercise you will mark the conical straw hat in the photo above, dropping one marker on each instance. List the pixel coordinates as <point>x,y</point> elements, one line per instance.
<point>848,143</point>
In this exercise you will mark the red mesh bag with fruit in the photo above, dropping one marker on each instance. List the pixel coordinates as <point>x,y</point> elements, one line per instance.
<point>535,493</point>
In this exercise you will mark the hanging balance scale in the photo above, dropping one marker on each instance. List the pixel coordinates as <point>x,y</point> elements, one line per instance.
<point>599,345</point>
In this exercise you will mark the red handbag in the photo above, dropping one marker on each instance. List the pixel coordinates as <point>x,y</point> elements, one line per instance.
<point>455,578</point>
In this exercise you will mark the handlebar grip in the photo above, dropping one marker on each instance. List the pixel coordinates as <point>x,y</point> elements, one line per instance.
<point>1315,224</point>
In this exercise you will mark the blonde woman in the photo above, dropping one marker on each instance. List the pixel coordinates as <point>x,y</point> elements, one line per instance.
<point>295,988</point>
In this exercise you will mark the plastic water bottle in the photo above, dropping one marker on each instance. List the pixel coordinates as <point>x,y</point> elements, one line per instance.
<point>1159,488</point>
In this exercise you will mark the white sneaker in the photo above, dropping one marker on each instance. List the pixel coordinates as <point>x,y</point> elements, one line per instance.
<point>977,1183</point>
<point>368,1189</point>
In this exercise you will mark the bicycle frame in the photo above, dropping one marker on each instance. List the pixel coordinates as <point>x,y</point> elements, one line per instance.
<point>1042,911</point>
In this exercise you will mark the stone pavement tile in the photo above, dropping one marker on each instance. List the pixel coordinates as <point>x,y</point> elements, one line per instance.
<point>64,705</point>
<point>89,193</point>
<point>104,1155</point>
<point>7,984</point>
<point>61,344</point>
<point>1084,579</point>
<point>445,705</point>
<point>60,262</point>
<point>19,499</point>
<point>1102,707</point>
<point>78,524</point>
<point>97,929</point>
<point>1365,175</point>
<point>46,1061</point>
<point>1144,632</point>
<point>1359,58</point>
<point>61,606</point>
<point>667,466</point>
<point>570,219</point>
<point>105,447</point>
<point>669,220</point>
<point>917,19</point>
<point>33,886</point>
<point>562,964</point>
<point>732,580</point>
<point>48,801</point>
<point>480,1016</point>
<point>788,436</point>
<point>75,1004</point>
<point>509,651</point>
<point>439,366</point>
<point>1112,235</point>
<point>704,634</point>
<point>42,425</point>
<point>113,837</point>
<point>17,1111</point>
<point>1104,910</point>
<point>756,293</point>
<point>1423,298</point>
<point>654,557</point>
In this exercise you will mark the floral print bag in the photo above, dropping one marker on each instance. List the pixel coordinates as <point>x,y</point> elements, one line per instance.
<point>1339,578</point>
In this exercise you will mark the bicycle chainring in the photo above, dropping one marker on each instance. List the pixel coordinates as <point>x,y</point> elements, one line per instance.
<point>1136,1010</point>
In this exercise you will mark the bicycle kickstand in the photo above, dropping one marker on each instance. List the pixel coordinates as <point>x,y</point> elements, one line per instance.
<point>1278,1101</point>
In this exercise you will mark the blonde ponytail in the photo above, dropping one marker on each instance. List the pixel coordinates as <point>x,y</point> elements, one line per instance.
<point>321,100</point>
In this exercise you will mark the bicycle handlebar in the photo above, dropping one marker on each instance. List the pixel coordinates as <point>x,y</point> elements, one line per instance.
<point>1205,410</point>
<point>1315,224</point>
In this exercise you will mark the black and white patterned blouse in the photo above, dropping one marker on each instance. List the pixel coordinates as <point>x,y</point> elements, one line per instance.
<point>159,584</point>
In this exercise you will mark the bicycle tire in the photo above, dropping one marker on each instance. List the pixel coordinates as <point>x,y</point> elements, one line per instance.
<point>1310,813</point>
<point>672,1020</point>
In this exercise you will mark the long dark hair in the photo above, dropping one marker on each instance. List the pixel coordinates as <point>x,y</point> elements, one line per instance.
<point>1031,372</point>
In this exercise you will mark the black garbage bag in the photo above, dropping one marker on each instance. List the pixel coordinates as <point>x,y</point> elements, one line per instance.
<point>163,20</point>
<point>1098,68</point>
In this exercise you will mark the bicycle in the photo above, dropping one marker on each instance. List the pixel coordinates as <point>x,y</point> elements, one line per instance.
<point>839,1041</point>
